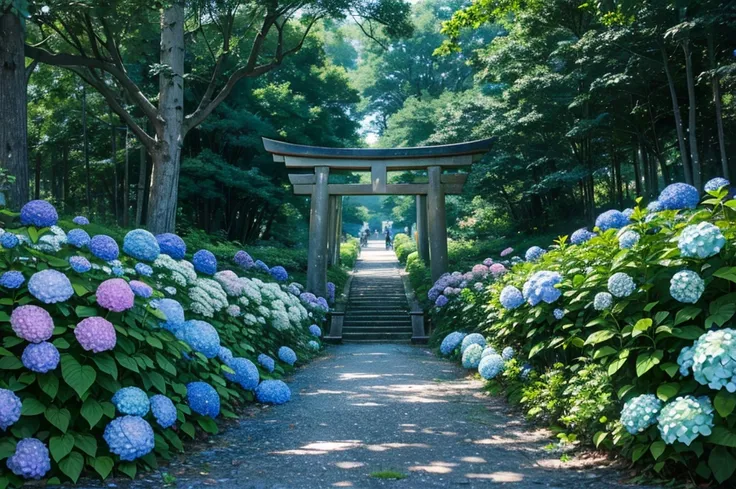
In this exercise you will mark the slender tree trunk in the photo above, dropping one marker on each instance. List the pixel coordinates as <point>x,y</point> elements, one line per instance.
<point>165,178</point>
<point>637,173</point>
<point>37,190</point>
<point>142,178</point>
<point>716,84</point>
<point>86,149</point>
<point>126,183</point>
<point>114,139</point>
<point>692,112</point>
<point>687,171</point>
<point>13,115</point>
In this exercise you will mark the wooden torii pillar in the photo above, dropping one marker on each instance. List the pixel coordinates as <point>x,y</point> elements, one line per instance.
<point>325,216</point>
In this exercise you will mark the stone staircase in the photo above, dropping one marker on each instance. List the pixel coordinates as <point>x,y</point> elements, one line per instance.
<point>377,309</point>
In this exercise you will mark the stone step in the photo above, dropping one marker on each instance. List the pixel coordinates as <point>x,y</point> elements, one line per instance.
<point>376,336</point>
<point>406,329</point>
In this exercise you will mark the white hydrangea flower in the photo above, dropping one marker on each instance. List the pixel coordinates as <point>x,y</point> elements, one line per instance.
<point>208,297</point>
<point>249,319</point>
<point>182,272</point>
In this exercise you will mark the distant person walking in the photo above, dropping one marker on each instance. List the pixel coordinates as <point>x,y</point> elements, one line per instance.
<point>388,239</point>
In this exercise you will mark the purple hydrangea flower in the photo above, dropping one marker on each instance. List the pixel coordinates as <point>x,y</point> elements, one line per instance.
<point>203,399</point>
<point>279,273</point>
<point>287,355</point>
<point>78,238</point>
<point>243,260</point>
<point>10,406</point>
<point>104,247</point>
<point>261,267</point>
<point>115,295</point>
<point>38,213</point>
<point>141,245</point>
<point>581,236</point>
<point>129,437</point>
<point>40,357</point>
<point>441,301</point>
<point>131,400</point>
<point>9,240</point>
<point>488,262</point>
<point>31,458</point>
<point>80,221</point>
<point>322,304</point>
<point>96,334</point>
<point>534,253</point>
<point>172,245</point>
<point>273,392</point>
<point>200,336</point>
<point>173,311</point>
<point>612,219</point>
<point>246,373</point>
<point>205,262</point>
<point>141,289</point>
<point>679,196</point>
<point>163,410</point>
<point>32,323</point>
<point>50,286</point>
<point>715,184</point>
<point>266,362</point>
<point>143,270</point>
<point>12,279</point>
<point>315,330</point>
<point>330,292</point>
<point>80,264</point>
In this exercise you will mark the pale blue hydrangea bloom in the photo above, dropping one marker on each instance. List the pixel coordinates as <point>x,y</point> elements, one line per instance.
<point>488,350</point>
<point>450,342</point>
<point>541,287</point>
<point>621,285</point>
<point>628,212</point>
<point>203,399</point>
<point>129,437</point>
<point>173,311</point>
<point>687,286</point>
<point>534,253</point>
<point>508,353</point>
<point>313,345</point>
<point>716,184</point>
<point>80,264</point>
<point>141,245</point>
<point>472,339</point>
<point>612,219</point>
<point>287,355</point>
<point>163,410</point>
<point>558,313</point>
<point>50,286</point>
<point>201,337</point>
<point>131,400</point>
<point>472,356</point>
<point>685,419</point>
<point>712,359</point>
<point>511,297</point>
<point>246,373</point>
<point>639,413</point>
<point>10,406</point>
<point>315,330</point>
<point>9,240</point>
<point>628,239</point>
<point>685,360</point>
<point>143,269</point>
<point>273,392</point>
<point>581,236</point>
<point>78,238</point>
<point>490,366</point>
<point>701,240</point>
<point>30,460</point>
<point>602,301</point>
<point>679,196</point>
<point>655,206</point>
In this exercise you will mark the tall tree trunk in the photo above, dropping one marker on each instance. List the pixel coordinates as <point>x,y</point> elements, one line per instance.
<point>13,115</point>
<point>114,141</point>
<point>126,183</point>
<point>716,84</point>
<point>687,171</point>
<point>165,178</point>
<point>637,172</point>
<point>692,112</point>
<point>142,178</point>
<point>88,190</point>
<point>37,190</point>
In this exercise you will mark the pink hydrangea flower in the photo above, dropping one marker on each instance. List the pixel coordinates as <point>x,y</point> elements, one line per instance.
<point>507,251</point>
<point>96,334</point>
<point>480,271</point>
<point>497,269</point>
<point>115,294</point>
<point>32,323</point>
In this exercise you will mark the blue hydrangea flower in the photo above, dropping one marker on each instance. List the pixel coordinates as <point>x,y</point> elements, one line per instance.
<point>104,247</point>
<point>261,267</point>
<point>628,212</point>
<point>581,236</point>
<point>541,287</point>
<point>612,219</point>
<point>715,184</point>
<point>287,355</point>
<point>172,245</point>
<point>685,419</point>
<point>225,355</point>
<point>490,366</point>
<point>558,313</point>
<point>40,357</point>
<point>628,239</point>
<point>508,353</point>
<point>81,221</point>
<point>679,196</point>
<point>163,410</point>
<point>31,459</point>
<point>313,345</point>
<point>78,238</point>
<point>686,360</point>
<point>450,342</point>
<point>621,285</point>
<point>50,286</point>
<point>143,269</point>
<point>701,240</point>
<point>246,373</point>
<point>687,286</point>
<point>640,413</point>
<point>472,356</point>
<point>12,279</point>
<point>279,273</point>
<point>526,371</point>
<point>511,297</point>
<point>655,206</point>
<point>9,240</point>
<point>266,362</point>
<point>488,350</point>
<point>141,289</point>
<point>331,292</point>
<point>141,245</point>
<point>203,399</point>
<point>712,359</point>
<point>80,264</point>
<point>244,261</point>
<point>472,339</point>
<point>173,311</point>
<point>131,400</point>
<point>38,213</point>
<point>534,253</point>
<point>200,336</point>
<point>10,406</point>
<point>273,392</point>
<point>205,262</point>
<point>129,437</point>
<point>441,301</point>
<point>118,271</point>
<point>602,301</point>
<point>315,330</point>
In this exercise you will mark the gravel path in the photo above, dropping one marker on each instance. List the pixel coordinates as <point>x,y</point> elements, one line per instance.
<point>367,408</point>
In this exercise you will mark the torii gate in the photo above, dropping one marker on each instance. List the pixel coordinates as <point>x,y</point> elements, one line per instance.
<point>325,217</point>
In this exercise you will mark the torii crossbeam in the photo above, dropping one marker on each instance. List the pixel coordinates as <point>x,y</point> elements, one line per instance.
<point>325,217</point>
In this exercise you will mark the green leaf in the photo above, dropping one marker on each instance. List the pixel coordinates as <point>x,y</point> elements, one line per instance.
<point>686,314</point>
<point>721,463</point>
<point>639,451</point>
<point>165,364</point>
<point>722,315</point>
<point>724,402</point>
<point>49,384</point>
<point>32,407</point>
<point>667,391</point>
<point>208,425</point>
<point>126,362</point>
<point>154,342</point>
<point>688,332</point>
<point>727,273</point>
<point>604,352</point>
<point>103,466</point>
<point>536,349</point>
<point>85,311</point>
<point>7,447</point>
<point>86,443</point>
<point>58,417</point>
<point>619,362</point>
<point>61,446</point>
<point>61,343</point>
<point>599,337</point>
<point>599,437</point>
<point>643,324</point>
<point>645,361</point>
<point>78,377</point>
<point>188,428</point>
<point>657,449</point>
<point>72,466</point>
<point>91,411</point>
<point>128,468</point>
<point>106,364</point>
<point>722,436</point>
<point>10,363</point>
